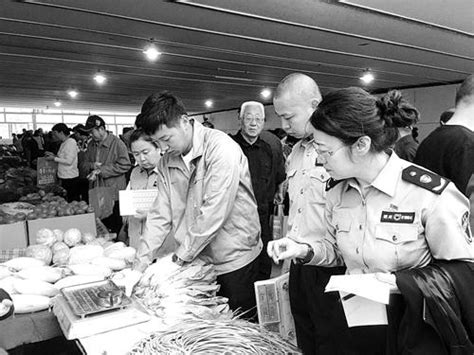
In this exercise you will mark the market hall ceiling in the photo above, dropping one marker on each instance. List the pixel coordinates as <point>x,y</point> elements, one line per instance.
<point>224,51</point>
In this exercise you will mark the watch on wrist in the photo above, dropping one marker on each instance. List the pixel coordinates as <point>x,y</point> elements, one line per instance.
<point>308,257</point>
<point>175,258</point>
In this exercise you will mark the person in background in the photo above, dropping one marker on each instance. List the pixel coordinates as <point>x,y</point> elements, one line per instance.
<point>415,134</point>
<point>106,158</point>
<point>38,137</point>
<point>205,201</point>
<point>318,316</point>
<point>266,171</point>
<point>208,124</point>
<point>30,148</point>
<point>446,116</point>
<point>407,116</point>
<point>384,213</point>
<point>144,176</point>
<point>66,158</point>
<point>449,149</point>
<point>82,138</point>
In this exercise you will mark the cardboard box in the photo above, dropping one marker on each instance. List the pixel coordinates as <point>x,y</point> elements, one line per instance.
<point>84,222</point>
<point>13,236</point>
<point>273,306</point>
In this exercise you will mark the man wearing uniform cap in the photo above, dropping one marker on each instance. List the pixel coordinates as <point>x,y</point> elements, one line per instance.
<point>106,158</point>
<point>267,171</point>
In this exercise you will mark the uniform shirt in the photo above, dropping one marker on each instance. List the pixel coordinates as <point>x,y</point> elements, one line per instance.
<point>397,225</point>
<point>140,179</point>
<point>307,192</point>
<point>67,159</point>
<point>210,209</point>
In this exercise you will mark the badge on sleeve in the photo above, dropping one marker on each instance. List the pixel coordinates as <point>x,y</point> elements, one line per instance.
<point>425,179</point>
<point>466,226</point>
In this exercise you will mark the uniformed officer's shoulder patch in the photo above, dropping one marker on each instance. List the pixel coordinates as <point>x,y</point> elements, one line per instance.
<point>330,183</point>
<point>425,179</point>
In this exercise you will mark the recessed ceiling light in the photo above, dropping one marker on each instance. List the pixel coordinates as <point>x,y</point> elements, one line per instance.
<point>57,103</point>
<point>72,93</point>
<point>209,103</point>
<point>266,93</point>
<point>367,77</point>
<point>100,78</point>
<point>151,52</point>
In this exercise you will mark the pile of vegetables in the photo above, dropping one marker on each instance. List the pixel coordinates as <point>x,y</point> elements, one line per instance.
<point>175,293</point>
<point>76,258</point>
<point>211,337</point>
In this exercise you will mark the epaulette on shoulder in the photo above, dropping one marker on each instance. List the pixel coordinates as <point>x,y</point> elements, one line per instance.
<point>425,179</point>
<point>331,183</point>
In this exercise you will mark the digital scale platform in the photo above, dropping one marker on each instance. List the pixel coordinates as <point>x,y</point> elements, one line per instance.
<point>96,307</point>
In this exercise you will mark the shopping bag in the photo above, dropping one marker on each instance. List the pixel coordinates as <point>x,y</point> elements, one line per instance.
<point>278,222</point>
<point>47,172</point>
<point>101,199</point>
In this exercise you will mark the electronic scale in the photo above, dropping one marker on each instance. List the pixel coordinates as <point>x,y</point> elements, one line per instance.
<point>96,307</point>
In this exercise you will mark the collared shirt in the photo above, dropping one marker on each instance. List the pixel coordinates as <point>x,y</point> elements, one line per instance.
<point>67,159</point>
<point>113,155</point>
<point>210,209</point>
<point>265,176</point>
<point>397,225</point>
<point>307,191</point>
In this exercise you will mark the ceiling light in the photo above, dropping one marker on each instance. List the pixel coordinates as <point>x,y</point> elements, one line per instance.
<point>100,78</point>
<point>209,103</point>
<point>266,93</point>
<point>57,103</point>
<point>72,93</point>
<point>151,52</point>
<point>367,77</point>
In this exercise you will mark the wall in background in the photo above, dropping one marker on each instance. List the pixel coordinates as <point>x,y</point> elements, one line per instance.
<point>430,101</point>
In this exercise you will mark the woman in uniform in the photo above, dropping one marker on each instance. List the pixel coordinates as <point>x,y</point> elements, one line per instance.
<point>383,213</point>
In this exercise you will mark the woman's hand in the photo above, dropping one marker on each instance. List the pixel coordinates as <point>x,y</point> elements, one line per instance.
<point>286,248</point>
<point>140,214</point>
<point>50,157</point>
<point>388,278</point>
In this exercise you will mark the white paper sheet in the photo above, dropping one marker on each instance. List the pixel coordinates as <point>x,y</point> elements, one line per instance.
<point>132,200</point>
<point>364,285</point>
<point>361,311</point>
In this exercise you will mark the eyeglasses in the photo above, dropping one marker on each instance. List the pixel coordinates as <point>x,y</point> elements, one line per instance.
<point>258,119</point>
<point>327,153</point>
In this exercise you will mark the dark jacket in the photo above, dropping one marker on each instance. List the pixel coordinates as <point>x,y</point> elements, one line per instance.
<point>438,316</point>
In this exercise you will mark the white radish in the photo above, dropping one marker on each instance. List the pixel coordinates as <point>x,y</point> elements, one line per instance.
<point>23,262</point>
<point>42,273</point>
<point>89,269</point>
<point>35,287</point>
<point>77,280</point>
<point>111,263</point>
<point>30,303</point>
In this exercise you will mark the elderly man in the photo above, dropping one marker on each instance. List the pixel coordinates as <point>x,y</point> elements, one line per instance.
<point>205,200</point>
<point>106,158</point>
<point>267,171</point>
<point>319,321</point>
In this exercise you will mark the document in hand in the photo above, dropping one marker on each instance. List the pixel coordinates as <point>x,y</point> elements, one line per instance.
<point>132,200</point>
<point>363,298</point>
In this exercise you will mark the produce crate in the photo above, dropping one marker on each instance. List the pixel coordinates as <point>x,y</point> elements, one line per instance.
<point>84,222</point>
<point>273,306</point>
<point>13,236</point>
<point>9,254</point>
